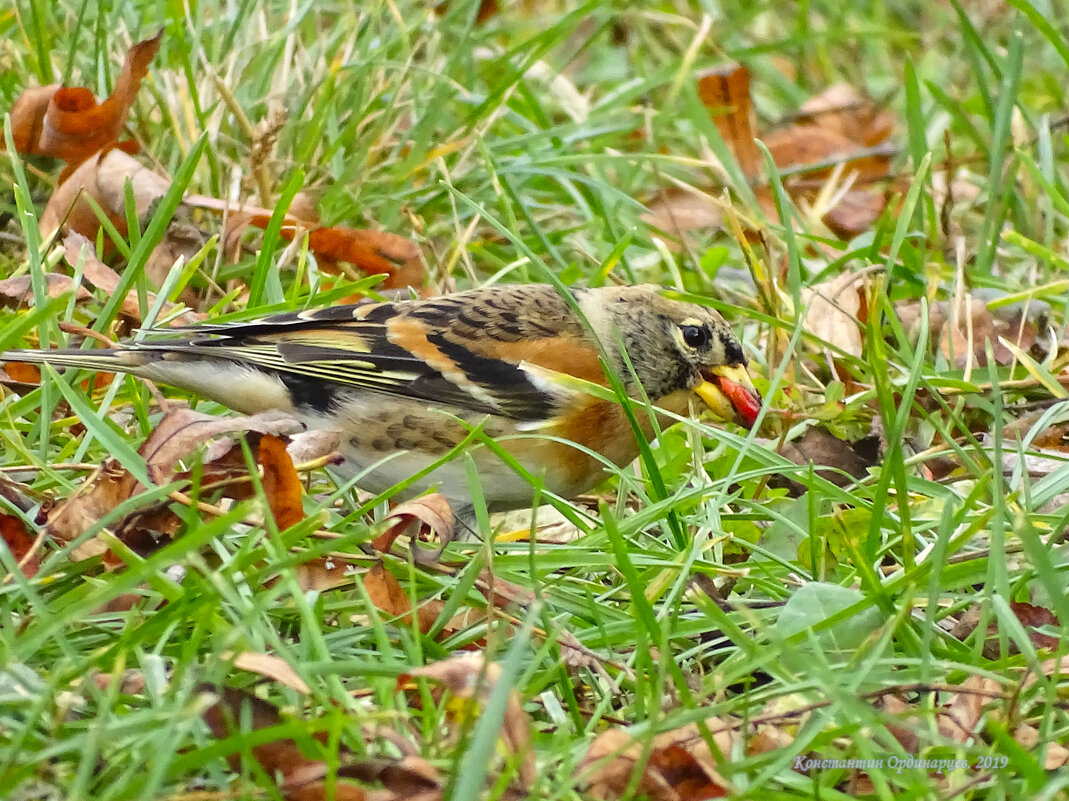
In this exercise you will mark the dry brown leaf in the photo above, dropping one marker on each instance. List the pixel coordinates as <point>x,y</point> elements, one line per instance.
<point>965,340</point>
<point>180,433</point>
<point>322,573</point>
<point>855,212</point>
<point>131,682</point>
<point>282,486</point>
<point>20,373</point>
<point>21,543</point>
<point>472,678</point>
<point>677,212</point>
<point>68,123</point>
<point>681,766</point>
<point>385,592</point>
<point>1056,757</point>
<point>17,292</point>
<point>1030,617</point>
<point>271,667</point>
<point>1057,669</point>
<point>76,247</point>
<point>487,9</point>
<point>1033,617</point>
<point>960,716</point>
<point>804,145</point>
<point>372,252</point>
<point>103,179</point>
<point>428,515</point>
<point>902,721</point>
<point>725,91</point>
<point>825,450</point>
<point>835,312</point>
<point>843,109</point>
<point>302,779</point>
<point>836,129</point>
<point>962,329</point>
<point>106,488</point>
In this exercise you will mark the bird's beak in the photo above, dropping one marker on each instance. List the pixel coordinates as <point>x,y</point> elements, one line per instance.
<point>729,392</point>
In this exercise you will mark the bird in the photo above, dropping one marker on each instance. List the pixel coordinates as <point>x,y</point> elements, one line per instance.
<point>405,382</point>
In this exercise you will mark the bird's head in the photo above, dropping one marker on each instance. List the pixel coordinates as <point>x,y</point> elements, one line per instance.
<point>674,345</point>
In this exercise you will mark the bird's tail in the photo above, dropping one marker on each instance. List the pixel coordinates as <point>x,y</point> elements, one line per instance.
<point>241,386</point>
<point>112,360</point>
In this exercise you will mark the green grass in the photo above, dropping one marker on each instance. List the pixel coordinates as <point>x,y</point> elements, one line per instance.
<point>469,139</point>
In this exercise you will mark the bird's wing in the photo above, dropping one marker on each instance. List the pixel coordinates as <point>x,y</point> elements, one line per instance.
<point>471,354</point>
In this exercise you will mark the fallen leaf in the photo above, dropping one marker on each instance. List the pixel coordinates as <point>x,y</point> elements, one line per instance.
<point>843,109</point>
<point>904,723</point>
<point>322,573</point>
<point>1033,617</point>
<point>425,516</point>
<point>271,667</point>
<point>725,91</point>
<point>1030,617</point>
<point>813,147</point>
<point>302,779</point>
<point>21,543</point>
<point>76,248</point>
<point>1056,757</point>
<point>471,678</point>
<point>282,486</point>
<point>103,180</point>
<point>837,132</point>
<point>180,433</point>
<point>21,373</point>
<point>677,211</point>
<point>17,292</point>
<point>132,681</point>
<point>106,488</point>
<point>855,212</point>
<point>959,718</point>
<point>962,329</point>
<point>385,592</point>
<point>68,123</point>
<point>834,312</point>
<point>680,767</point>
<point>830,455</point>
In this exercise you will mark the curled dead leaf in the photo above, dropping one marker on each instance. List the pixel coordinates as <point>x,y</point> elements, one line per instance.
<point>104,179</point>
<point>269,666</point>
<point>428,515</point>
<point>471,678</point>
<point>725,91</point>
<point>282,485</point>
<point>21,543</point>
<point>17,292</point>
<point>385,591</point>
<point>680,767</point>
<point>836,312</point>
<point>837,132</point>
<point>68,123</point>
<point>180,433</point>
<point>76,248</point>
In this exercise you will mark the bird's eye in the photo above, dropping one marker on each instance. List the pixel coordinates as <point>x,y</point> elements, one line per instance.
<point>696,336</point>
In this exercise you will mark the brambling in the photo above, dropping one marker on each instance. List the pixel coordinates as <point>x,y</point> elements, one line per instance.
<point>405,382</point>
